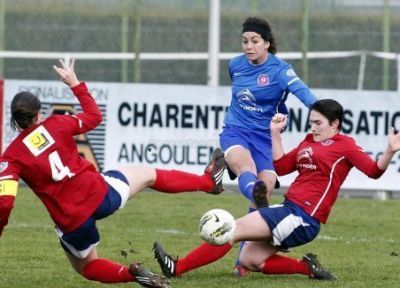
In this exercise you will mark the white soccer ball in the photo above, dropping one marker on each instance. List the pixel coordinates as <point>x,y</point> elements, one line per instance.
<point>217,227</point>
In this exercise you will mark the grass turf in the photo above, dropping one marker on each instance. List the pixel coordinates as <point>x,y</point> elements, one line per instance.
<point>360,244</point>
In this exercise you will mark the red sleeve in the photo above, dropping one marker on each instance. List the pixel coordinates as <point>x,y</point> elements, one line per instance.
<point>6,205</point>
<point>286,164</point>
<point>91,115</point>
<point>362,161</point>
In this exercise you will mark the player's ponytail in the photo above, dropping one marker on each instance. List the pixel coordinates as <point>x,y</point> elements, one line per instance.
<point>25,106</point>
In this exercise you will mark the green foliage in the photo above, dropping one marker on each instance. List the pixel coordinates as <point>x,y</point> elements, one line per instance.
<point>360,244</point>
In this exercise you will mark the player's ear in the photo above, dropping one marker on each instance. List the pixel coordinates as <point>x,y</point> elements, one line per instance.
<point>335,123</point>
<point>38,117</point>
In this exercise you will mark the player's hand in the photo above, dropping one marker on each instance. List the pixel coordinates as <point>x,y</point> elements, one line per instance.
<point>394,140</point>
<point>278,122</point>
<point>67,73</point>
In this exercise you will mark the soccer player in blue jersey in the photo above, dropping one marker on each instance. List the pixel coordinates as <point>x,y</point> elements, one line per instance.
<point>261,83</point>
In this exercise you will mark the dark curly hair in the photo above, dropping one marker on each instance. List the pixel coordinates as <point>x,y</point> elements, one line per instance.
<point>24,108</point>
<point>263,28</point>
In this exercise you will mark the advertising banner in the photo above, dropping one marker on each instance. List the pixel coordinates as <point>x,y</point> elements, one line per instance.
<point>177,126</point>
<point>164,125</point>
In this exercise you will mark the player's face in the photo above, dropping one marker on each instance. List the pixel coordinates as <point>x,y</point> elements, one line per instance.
<point>320,127</point>
<point>254,47</point>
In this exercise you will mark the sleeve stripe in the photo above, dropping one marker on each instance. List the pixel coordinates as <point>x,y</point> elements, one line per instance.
<point>6,177</point>
<point>8,188</point>
<point>79,121</point>
<point>293,80</point>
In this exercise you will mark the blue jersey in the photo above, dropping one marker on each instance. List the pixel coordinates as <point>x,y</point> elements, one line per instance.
<point>260,91</point>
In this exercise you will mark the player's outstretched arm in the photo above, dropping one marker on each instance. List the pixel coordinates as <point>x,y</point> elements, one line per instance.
<point>278,122</point>
<point>91,115</point>
<point>67,73</point>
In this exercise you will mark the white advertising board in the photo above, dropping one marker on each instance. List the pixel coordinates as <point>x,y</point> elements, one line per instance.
<point>177,126</point>
<point>164,125</point>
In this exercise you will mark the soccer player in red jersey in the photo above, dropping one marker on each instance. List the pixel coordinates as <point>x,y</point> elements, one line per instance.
<point>323,160</point>
<point>45,156</point>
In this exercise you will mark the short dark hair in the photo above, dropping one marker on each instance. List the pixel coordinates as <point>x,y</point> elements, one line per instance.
<point>331,109</point>
<point>24,108</point>
<point>263,28</point>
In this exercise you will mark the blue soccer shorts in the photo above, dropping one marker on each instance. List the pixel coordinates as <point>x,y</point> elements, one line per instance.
<point>290,225</point>
<point>257,142</point>
<point>80,242</point>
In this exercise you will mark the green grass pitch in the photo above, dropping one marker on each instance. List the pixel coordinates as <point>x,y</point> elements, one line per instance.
<point>360,243</point>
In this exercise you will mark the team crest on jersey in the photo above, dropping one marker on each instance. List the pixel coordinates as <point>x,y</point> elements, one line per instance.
<point>38,140</point>
<point>327,142</point>
<point>3,166</point>
<point>262,80</point>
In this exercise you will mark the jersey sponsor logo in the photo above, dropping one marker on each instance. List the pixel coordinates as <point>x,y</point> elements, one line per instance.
<point>38,141</point>
<point>3,166</point>
<point>262,80</point>
<point>290,73</point>
<point>247,101</point>
<point>327,142</point>
<point>304,159</point>
<point>246,97</point>
<point>307,166</point>
<point>236,74</point>
<point>306,154</point>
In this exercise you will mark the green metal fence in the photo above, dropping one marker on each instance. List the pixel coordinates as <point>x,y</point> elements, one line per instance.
<point>146,26</point>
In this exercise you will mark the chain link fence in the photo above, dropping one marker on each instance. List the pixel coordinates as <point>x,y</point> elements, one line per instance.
<point>144,26</point>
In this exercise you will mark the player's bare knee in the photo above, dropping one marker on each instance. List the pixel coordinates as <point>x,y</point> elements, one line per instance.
<point>239,166</point>
<point>141,174</point>
<point>250,263</point>
<point>78,267</point>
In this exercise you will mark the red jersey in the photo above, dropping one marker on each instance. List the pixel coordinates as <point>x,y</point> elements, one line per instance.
<point>46,157</point>
<point>323,167</point>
